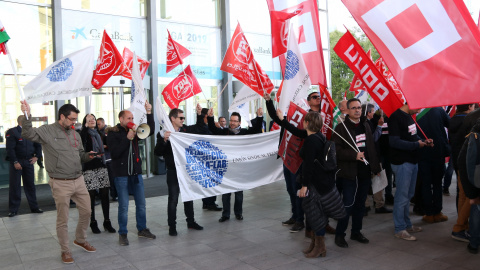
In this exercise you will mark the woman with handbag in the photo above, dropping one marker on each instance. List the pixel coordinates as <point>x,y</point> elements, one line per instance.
<point>95,172</point>
<point>321,198</point>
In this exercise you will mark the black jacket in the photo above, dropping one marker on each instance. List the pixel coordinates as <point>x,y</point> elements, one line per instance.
<point>256,128</point>
<point>433,123</point>
<point>119,146</point>
<point>470,190</point>
<point>19,148</point>
<point>164,149</point>
<point>96,162</point>
<point>346,156</point>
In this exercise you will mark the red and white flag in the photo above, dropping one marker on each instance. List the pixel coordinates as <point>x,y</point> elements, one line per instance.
<point>3,39</point>
<point>307,27</point>
<point>126,70</point>
<point>289,148</point>
<point>379,89</point>
<point>356,85</point>
<point>428,46</point>
<point>326,111</point>
<point>109,61</point>
<point>175,53</point>
<point>279,22</point>
<point>387,74</point>
<point>239,62</point>
<point>184,86</point>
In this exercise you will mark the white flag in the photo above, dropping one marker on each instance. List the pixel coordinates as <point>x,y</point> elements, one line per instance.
<point>67,78</point>
<point>242,101</point>
<point>213,165</point>
<point>296,79</point>
<point>165,123</point>
<point>137,101</point>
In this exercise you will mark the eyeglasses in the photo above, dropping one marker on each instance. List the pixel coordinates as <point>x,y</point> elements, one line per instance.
<point>355,108</point>
<point>234,121</point>
<point>72,119</point>
<point>181,118</point>
<point>315,97</point>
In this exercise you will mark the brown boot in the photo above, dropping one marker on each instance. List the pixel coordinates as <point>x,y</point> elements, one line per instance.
<point>310,248</point>
<point>319,250</point>
<point>309,234</point>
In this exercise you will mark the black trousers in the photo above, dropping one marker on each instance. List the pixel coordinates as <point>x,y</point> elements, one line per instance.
<point>15,192</point>
<point>173,193</point>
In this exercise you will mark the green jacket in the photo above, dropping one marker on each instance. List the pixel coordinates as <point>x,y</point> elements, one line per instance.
<point>63,155</point>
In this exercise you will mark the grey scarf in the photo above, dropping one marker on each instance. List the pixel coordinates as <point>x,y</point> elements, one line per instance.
<point>97,143</point>
<point>234,130</point>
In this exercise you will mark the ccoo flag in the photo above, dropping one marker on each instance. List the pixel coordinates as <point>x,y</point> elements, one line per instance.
<point>66,78</point>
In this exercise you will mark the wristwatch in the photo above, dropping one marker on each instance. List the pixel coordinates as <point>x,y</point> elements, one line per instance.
<point>15,162</point>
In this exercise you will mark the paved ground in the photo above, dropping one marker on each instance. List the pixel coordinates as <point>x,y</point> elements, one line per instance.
<point>258,242</point>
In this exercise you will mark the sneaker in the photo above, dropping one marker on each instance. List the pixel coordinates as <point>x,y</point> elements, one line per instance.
<point>195,226</point>
<point>289,222</point>
<point>123,240</point>
<point>414,229</point>
<point>461,236</point>
<point>405,236</point>
<point>67,257</point>
<point>428,219</point>
<point>239,217</point>
<point>145,233</point>
<point>298,226</point>
<point>440,217</point>
<point>86,246</point>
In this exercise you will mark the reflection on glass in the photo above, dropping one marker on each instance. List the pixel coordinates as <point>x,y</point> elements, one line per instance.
<point>134,8</point>
<point>189,11</point>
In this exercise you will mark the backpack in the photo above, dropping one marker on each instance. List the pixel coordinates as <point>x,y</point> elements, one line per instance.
<point>328,159</point>
<point>473,159</point>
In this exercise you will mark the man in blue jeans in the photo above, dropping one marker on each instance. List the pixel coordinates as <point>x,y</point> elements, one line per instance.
<point>127,170</point>
<point>405,143</point>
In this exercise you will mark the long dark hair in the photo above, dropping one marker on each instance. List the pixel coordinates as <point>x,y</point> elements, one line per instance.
<point>84,130</point>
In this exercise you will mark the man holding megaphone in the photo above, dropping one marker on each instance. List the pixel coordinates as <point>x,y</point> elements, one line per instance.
<point>122,141</point>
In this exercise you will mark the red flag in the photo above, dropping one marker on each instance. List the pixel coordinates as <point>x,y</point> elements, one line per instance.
<point>125,71</point>
<point>355,57</point>
<point>326,110</point>
<point>387,74</point>
<point>356,85</point>
<point>274,127</point>
<point>306,25</point>
<point>279,92</point>
<point>239,62</point>
<point>184,86</point>
<point>290,145</point>
<point>175,53</point>
<point>108,62</point>
<point>428,46</point>
<point>279,26</point>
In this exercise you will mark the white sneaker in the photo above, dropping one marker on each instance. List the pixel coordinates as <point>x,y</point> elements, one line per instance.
<point>414,229</point>
<point>405,236</point>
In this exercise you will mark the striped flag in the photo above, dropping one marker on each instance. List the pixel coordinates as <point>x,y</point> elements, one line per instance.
<point>336,115</point>
<point>3,38</point>
<point>422,113</point>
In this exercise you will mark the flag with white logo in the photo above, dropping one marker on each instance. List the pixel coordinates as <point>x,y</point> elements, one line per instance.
<point>326,111</point>
<point>296,80</point>
<point>289,148</point>
<point>213,165</point>
<point>3,39</point>
<point>67,78</point>
<point>138,98</point>
<point>428,46</point>
<point>175,53</point>
<point>125,71</point>
<point>184,86</point>
<point>109,61</point>
<point>279,22</point>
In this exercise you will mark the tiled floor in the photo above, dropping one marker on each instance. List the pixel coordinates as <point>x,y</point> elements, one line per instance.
<point>258,242</point>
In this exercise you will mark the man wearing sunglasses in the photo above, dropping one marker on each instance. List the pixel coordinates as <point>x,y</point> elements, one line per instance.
<point>164,148</point>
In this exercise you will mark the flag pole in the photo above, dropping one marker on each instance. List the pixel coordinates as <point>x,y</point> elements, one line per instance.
<point>185,74</point>
<point>225,86</point>
<point>20,90</point>
<point>358,150</point>
<point>419,128</point>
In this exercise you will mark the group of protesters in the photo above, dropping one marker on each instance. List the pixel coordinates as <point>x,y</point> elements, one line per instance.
<point>333,181</point>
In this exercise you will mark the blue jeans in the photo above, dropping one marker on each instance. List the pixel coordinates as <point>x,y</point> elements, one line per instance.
<point>292,187</point>
<point>405,177</point>
<point>237,206</point>
<point>474,226</point>
<point>354,193</point>
<point>126,185</point>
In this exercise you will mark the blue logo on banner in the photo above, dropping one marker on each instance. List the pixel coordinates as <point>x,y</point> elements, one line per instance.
<point>61,71</point>
<point>206,164</point>
<point>132,92</point>
<point>293,65</point>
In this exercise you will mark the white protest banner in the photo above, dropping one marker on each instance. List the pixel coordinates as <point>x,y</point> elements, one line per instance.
<point>67,78</point>
<point>242,101</point>
<point>165,123</point>
<point>213,165</point>
<point>137,101</point>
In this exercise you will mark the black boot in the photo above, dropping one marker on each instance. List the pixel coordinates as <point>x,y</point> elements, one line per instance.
<point>107,225</point>
<point>94,227</point>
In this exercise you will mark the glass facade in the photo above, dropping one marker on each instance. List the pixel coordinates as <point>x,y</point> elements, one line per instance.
<point>196,24</point>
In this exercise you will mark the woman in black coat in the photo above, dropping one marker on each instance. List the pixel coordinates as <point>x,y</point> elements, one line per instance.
<point>95,172</point>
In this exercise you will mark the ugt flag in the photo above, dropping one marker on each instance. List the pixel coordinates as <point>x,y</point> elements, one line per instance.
<point>109,61</point>
<point>357,60</point>
<point>213,165</point>
<point>431,47</point>
<point>138,98</point>
<point>3,38</point>
<point>184,86</point>
<point>127,67</point>
<point>175,53</point>
<point>308,30</point>
<point>279,22</point>
<point>66,78</point>
<point>296,80</point>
